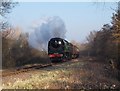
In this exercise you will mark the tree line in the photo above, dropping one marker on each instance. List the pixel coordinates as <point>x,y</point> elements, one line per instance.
<point>15,47</point>
<point>105,43</point>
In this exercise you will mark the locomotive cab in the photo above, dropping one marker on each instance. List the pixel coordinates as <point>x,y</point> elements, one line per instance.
<point>59,49</point>
<point>55,49</point>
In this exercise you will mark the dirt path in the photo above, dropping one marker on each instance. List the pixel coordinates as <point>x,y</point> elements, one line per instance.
<point>82,73</point>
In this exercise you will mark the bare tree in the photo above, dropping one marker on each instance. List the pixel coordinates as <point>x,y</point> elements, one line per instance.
<point>5,8</point>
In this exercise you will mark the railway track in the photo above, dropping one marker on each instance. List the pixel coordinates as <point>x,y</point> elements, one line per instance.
<point>28,68</point>
<point>24,69</point>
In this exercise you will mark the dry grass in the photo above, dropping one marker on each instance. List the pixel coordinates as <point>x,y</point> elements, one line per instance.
<point>69,75</point>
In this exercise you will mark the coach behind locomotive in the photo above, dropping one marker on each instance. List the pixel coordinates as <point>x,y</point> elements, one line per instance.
<point>60,49</point>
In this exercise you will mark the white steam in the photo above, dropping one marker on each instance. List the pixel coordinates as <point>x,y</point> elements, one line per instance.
<point>44,30</point>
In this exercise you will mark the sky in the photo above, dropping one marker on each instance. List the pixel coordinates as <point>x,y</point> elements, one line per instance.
<point>79,17</point>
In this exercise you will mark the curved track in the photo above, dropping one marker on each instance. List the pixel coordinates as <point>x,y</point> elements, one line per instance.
<point>29,68</point>
<point>23,69</point>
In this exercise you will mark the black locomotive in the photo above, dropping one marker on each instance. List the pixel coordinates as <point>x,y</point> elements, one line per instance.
<point>60,49</point>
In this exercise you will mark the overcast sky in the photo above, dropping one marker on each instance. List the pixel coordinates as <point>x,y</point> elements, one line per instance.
<point>79,17</point>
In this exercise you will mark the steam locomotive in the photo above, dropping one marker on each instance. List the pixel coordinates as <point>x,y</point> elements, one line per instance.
<point>60,49</point>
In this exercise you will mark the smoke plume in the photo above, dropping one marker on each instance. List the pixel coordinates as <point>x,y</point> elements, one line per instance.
<point>44,30</point>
